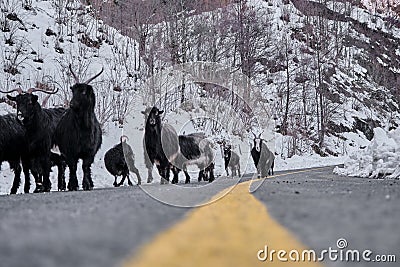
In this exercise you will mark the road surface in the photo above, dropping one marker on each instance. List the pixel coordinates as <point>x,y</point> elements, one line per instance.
<point>311,209</point>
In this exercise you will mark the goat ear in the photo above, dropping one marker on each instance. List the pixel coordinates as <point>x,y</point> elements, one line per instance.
<point>143,112</point>
<point>12,98</point>
<point>161,112</point>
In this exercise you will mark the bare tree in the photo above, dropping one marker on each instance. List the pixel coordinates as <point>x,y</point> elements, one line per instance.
<point>250,29</point>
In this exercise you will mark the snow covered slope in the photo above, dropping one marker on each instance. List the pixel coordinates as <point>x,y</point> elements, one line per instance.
<point>37,44</point>
<point>347,53</point>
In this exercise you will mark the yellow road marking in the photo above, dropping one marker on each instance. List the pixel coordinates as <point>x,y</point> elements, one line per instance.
<point>229,232</point>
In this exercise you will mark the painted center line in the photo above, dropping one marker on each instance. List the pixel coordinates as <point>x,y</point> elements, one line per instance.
<point>229,232</point>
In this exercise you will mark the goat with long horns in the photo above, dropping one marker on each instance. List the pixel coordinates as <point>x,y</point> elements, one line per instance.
<point>40,125</point>
<point>78,135</point>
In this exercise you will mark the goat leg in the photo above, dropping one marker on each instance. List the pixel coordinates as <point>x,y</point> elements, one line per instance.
<point>150,175</point>
<point>164,173</point>
<point>161,172</point>
<point>123,180</point>
<point>167,173</point>
<point>115,184</point>
<point>201,176</point>
<point>87,183</point>
<point>73,180</point>
<point>206,175</point>
<point>187,180</point>
<point>39,185</point>
<point>175,171</point>
<point>272,167</point>
<point>46,168</point>
<point>187,177</point>
<point>211,170</point>
<point>15,166</point>
<point>37,173</point>
<point>61,177</point>
<point>26,167</point>
<point>129,181</point>
<point>136,171</point>
<point>59,162</point>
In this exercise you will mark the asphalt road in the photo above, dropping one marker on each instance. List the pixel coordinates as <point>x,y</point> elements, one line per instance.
<point>104,227</point>
<point>97,228</point>
<point>319,208</point>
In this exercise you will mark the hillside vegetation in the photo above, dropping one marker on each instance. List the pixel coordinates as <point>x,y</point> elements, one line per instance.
<point>329,70</point>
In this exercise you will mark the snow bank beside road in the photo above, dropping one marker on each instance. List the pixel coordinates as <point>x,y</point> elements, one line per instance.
<point>380,159</point>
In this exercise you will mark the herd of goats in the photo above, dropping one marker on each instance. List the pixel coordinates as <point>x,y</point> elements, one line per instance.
<point>28,138</point>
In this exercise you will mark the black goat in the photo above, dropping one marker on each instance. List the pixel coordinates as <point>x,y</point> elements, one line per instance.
<point>119,160</point>
<point>195,149</point>
<point>39,125</point>
<point>231,160</point>
<point>161,144</point>
<point>78,134</point>
<point>263,158</point>
<point>13,148</point>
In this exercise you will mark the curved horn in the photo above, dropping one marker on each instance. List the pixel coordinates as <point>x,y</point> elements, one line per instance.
<point>122,138</point>
<point>19,90</point>
<point>31,90</point>
<point>6,101</point>
<point>45,101</point>
<point>97,75</point>
<point>73,74</point>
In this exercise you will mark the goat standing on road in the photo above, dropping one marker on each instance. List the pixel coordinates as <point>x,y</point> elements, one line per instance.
<point>161,145</point>
<point>119,160</point>
<point>195,149</point>
<point>39,125</point>
<point>231,160</point>
<point>14,149</point>
<point>263,157</point>
<point>78,135</point>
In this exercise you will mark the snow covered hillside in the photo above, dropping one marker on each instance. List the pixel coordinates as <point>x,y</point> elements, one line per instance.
<point>327,71</point>
<point>331,69</point>
<point>39,39</point>
<point>387,6</point>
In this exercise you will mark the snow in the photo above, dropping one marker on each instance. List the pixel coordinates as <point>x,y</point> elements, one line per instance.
<point>374,5</point>
<point>368,159</point>
<point>380,159</point>
<point>303,162</point>
<point>381,62</point>
<point>86,60</point>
